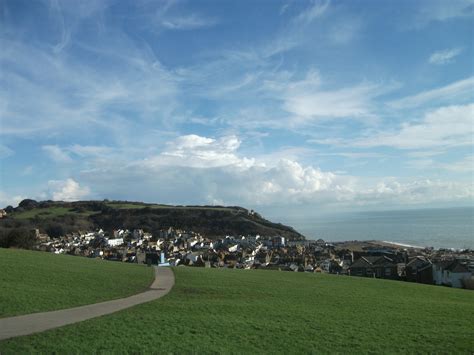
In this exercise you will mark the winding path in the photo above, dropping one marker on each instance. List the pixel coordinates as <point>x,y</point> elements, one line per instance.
<point>39,322</point>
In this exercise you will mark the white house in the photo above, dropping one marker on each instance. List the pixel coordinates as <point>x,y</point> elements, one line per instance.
<point>450,273</point>
<point>115,242</point>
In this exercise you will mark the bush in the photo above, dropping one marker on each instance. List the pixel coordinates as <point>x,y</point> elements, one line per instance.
<point>17,238</point>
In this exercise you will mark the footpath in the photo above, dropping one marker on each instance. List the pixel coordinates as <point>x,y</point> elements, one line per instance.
<point>39,322</point>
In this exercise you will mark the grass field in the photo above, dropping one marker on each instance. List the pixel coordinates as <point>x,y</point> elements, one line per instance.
<point>35,281</point>
<point>247,311</point>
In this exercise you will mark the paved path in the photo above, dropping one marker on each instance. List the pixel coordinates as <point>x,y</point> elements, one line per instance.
<point>39,322</point>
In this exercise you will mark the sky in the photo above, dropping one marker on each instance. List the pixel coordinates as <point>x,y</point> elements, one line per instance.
<point>279,106</point>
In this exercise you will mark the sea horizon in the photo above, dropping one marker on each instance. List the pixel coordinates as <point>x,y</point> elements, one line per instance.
<point>449,227</point>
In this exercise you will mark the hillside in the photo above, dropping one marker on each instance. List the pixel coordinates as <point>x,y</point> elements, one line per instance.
<point>212,221</point>
<point>32,281</point>
<point>253,311</point>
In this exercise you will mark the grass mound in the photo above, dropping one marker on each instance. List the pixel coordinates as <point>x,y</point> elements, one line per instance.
<point>247,311</point>
<point>34,281</point>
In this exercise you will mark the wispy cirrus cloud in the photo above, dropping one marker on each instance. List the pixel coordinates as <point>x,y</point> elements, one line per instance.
<point>189,22</point>
<point>464,165</point>
<point>316,9</point>
<point>5,151</point>
<point>440,10</point>
<point>57,154</point>
<point>459,90</point>
<point>445,56</point>
<point>449,126</point>
<point>309,99</point>
<point>65,95</point>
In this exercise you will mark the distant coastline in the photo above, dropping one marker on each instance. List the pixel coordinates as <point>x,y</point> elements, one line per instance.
<point>440,228</point>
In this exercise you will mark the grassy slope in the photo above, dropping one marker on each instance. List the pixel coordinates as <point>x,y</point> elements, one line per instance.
<point>242,311</point>
<point>43,212</point>
<point>35,281</point>
<point>49,213</point>
<point>131,205</point>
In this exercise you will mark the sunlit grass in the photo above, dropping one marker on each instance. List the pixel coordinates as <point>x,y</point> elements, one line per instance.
<point>251,311</point>
<point>36,281</point>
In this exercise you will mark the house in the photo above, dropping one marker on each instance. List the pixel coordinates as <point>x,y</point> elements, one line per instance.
<point>419,269</point>
<point>450,273</point>
<point>374,266</point>
<point>3,213</point>
<point>115,242</point>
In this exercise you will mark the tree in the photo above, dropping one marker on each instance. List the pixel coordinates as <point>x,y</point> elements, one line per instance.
<point>55,230</point>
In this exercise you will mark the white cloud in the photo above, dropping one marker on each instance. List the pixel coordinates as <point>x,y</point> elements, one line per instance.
<point>5,152</point>
<point>201,152</point>
<point>448,126</point>
<point>441,10</point>
<point>8,200</point>
<point>57,154</point>
<point>445,56</point>
<point>459,90</point>
<point>317,9</point>
<point>351,102</point>
<point>424,191</point>
<point>89,150</point>
<point>345,30</point>
<point>67,190</point>
<point>284,8</point>
<point>464,165</point>
<point>189,22</point>
<point>68,97</point>
<point>196,169</point>
<point>307,100</point>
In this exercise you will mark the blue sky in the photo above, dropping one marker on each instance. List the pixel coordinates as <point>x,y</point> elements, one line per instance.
<point>273,105</point>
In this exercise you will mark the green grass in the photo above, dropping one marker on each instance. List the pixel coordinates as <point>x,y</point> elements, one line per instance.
<point>32,281</point>
<point>129,206</point>
<point>49,212</point>
<point>42,212</point>
<point>126,206</point>
<point>247,311</point>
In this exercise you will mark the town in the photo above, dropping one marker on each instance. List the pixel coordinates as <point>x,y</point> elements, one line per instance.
<point>174,247</point>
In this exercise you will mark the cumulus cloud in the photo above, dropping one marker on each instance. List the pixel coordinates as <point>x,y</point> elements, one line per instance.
<point>67,190</point>
<point>445,56</point>
<point>202,152</point>
<point>195,169</point>
<point>9,200</point>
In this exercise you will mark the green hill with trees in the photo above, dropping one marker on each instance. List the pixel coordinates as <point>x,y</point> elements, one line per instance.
<point>58,218</point>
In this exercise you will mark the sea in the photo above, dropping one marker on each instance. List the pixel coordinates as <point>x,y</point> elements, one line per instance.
<point>451,228</point>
